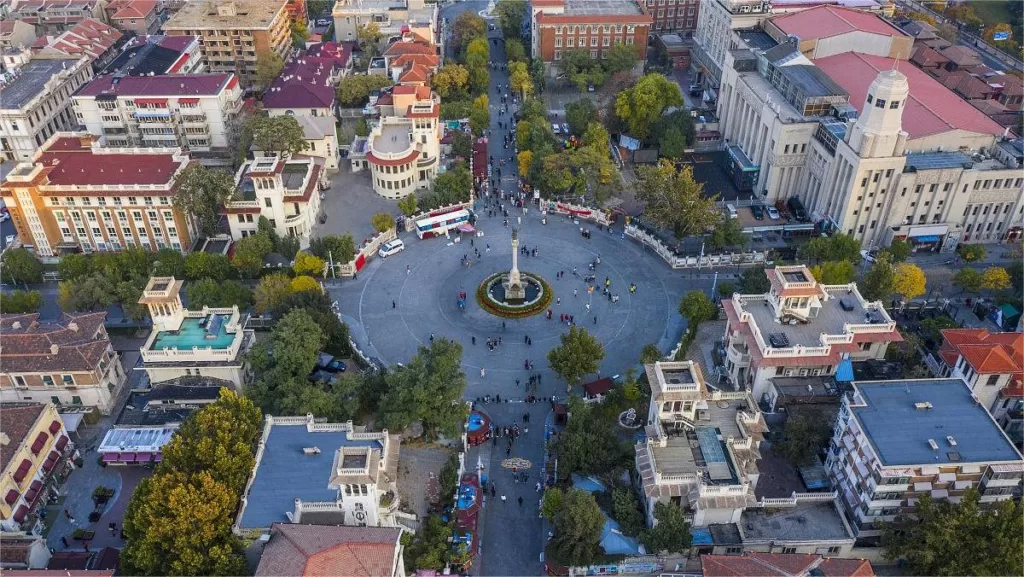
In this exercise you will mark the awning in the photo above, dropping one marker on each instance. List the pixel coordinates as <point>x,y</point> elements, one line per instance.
<point>20,514</point>
<point>33,490</point>
<point>159,457</point>
<point>143,457</point>
<point>844,373</point>
<point>139,101</point>
<point>466,228</point>
<point>40,441</point>
<point>924,239</point>
<point>48,465</point>
<point>22,471</point>
<point>11,497</point>
<point>127,458</point>
<point>188,101</point>
<point>152,113</point>
<point>61,443</point>
<point>110,458</point>
<point>71,421</point>
<point>55,426</point>
<point>53,456</point>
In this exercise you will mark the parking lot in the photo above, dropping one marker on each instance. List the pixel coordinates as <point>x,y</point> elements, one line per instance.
<point>349,204</point>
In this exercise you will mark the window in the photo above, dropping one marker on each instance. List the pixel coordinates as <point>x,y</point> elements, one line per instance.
<point>69,381</point>
<point>558,54</point>
<point>570,42</point>
<point>992,380</point>
<point>888,173</point>
<point>267,203</point>
<point>788,550</point>
<point>894,104</point>
<point>880,103</point>
<point>48,380</point>
<point>870,98</point>
<point>734,550</point>
<point>558,42</point>
<point>19,381</point>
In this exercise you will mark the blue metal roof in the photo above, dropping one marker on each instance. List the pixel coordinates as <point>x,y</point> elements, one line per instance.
<point>844,373</point>
<point>899,432</point>
<point>284,473</point>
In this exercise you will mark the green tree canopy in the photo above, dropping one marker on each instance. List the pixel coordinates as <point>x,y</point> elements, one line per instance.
<point>279,134</point>
<point>408,204</point>
<point>354,90</point>
<point>834,272</point>
<point>93,293</point>
<point>671,533</point>
<point>581,69</point>
<point>249,254</point>
<point>21,302</point>
<point>578,355</point>
<point>341,249</point>
<point>696,308</point>
<point>210,293</point>
<point>519,79</point>
<point>20,266</point>
<point>271,291</point>
<point>297,338</point>
<point>451,81</point>
<point>579,114</point>
<point>429,390</point>
<point>516,52</point>
<point>672,143</point>
<point>268,68</point>
<point>622,58</point>
<point>899,250</point>
<point>879,282</point>
<point>643,104</point>
<point>74,266</point>
<point>804,436</point>
<point>833,248</point>
<point>675,201</point>
<point>453,185</point>
<point>650,354</point>
<point>467,27</point>
<point>202,193</point>
<point>462,146</point>
<point>754,281</point>
<point>382,221</point>
<point>577,527</point>
<point>200,265</point>
<point>588,444</point>
<point>511,14</point>
<point>480,115</point>
<point>728,233</point>
<point>972,252</point>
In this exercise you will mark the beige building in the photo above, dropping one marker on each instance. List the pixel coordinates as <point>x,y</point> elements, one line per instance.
<point>236,33</point>
<point>206,343</point>
<point>285,190</point>
<point>33,438</point>
<point>15,34</point>
<point>393,17</point>
<point>64,362</point>
<point>896,441</point>
<point>36,103</point>
<point>321,139</point>
<point>52,17</point>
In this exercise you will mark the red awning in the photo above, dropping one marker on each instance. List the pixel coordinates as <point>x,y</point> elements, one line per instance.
<point>61,443</point>
<point>53,456</point>
<point>48,465</point>
<point>22,471</point>
<point>159,457</point>
<point>11,497</point>
<point>20,514</point>
<point>55,426</point>
<point>127,458</point>
<point>110,458</point>
<point>188,101</point>
<point>40,441</point>
<point>143,457</point>
<point>160,101</point>
<point>33,490</point>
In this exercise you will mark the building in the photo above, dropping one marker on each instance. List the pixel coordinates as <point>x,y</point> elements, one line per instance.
<point>136,16</point>
<point>122,446</point>
<point>321,134</point>
<point>192,111</point>
<point>24,553</point>
<point>34,442</point>
<point>170,402</point>
<point>320,474</point>
<point>675,50</point>
<point>236,34</point>
<point>297,11</point>
<point>306,87</point>
<point>393,17</point>
<point>75,196</point>
<point>717,20</point>
<point>56,16</point>
<point>411,62</point>
<point>91,38</point>
<point>36,103</point>
<point>895,441</point>
<point>559,26</point>
<point>63,362</point>
<point>403,149</point>
<point>158,55</point>
<point>210,343</point>
<point>800,328</point>
<point>321,550</point>
<point>918,167</point>
<point>15,34</point>
<point>285,190</point>
<point>783,565</point>
<point>672,16</point>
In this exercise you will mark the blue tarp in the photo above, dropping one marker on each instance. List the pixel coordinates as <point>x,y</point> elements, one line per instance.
<point>924,238</point>
<point>700,536</point>
<point>615,543</point>
<point>629,143</point>
<point>845,371</point>
<point>588,484</point>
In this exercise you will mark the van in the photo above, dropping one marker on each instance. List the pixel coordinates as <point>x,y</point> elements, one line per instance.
<point>391,247</point>
<point>732,211</point>
<point>796,208</point>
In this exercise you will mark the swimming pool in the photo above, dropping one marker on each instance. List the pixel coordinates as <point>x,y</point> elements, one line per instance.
<point>193,334</point>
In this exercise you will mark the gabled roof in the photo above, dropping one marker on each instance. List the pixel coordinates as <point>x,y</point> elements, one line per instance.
<point>987,353</point>
<point>166,85</point>
<point>69,161</point>
<point>827,21</point>
<point>415,74</point>
<point>962,56</point>
<point>967,85</point>
<point>925,57</point>
<point>69,344</point>
<point>314,551</point>
<point>304,83</point>
<point>782,565</point>
<point>19,420</point>
<point>399,48</point>
<point>88,37</point>
<point>132,8</point>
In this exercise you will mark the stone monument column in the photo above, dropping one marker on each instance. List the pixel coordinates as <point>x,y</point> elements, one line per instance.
<point>514,290</point>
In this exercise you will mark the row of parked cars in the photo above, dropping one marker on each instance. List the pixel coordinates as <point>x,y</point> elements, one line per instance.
<point>793,206</point>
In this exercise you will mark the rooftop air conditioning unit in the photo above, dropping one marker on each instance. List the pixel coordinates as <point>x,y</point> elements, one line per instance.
<point>933,444</point>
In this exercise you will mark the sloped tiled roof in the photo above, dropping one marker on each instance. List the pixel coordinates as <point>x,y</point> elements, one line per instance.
<point>132,8</point>
<point>29,349</point>
<point>304,83</point>
<point>827,21</point>
<point>962,56</point>
<point>88,37</point>
<point>782,565</point>
<point>321,551</point>
<point>987,353</point>
<point>925,57</point>
<point>399,48</point>
<point>18,421</point>
<point>167,85</point>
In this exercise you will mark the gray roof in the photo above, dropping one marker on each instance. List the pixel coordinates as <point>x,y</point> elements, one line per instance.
<point>284,473</point>
<point>812,80</point>
<point>899,432</point>
<point>30,81</point>
<point>817,522</point>
<point>758,39</point>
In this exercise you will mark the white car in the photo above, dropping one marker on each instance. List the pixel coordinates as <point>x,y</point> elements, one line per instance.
<point>867,256</point>
<point>10,239</point>
<point>5,216</point>
<point>556,128</point>
<point>391,247</point>
<point>773,213</point>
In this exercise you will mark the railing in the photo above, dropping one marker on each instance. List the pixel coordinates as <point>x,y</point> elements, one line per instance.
<point>870,328</point>
<point>242,204</point>
<point>797,499</point>
<point>683,261</point>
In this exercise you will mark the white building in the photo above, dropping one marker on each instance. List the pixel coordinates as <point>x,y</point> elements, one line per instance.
<point>393,17</point>
<point>207,342</point>
<point>403,150</point>
<point>321,134</point>
<point>36,103</point>
<point>285,191</point>
<point>194,111</point>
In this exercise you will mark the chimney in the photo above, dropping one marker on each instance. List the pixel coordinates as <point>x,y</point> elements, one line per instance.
<point>73,326</point>
<point>4,439</point>
<point>54,349</point>
<point>16,325</point>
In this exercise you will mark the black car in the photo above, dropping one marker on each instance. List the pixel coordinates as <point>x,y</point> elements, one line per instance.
<point>758,211</point>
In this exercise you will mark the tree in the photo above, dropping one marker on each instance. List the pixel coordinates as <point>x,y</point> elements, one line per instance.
<point>369,35</point>
<point>804,436</point>
<point>362,128</point>
<point>95,292</point>
<point>726,290</point>
<point>519,79</point>
<point>297,338</point>
<point>249,254</point>
<point>453,186</point>
<point>672,144</point>
<point>995,278</point>
<point>539,73</point>
<point>480,115</point>
<point>670,533</point>
<point>202,193</point>
<point>462,145</point>
<point>835,248</point>
<point>278,134</point>
<point>931,329</point>
<point>21,302</point>
<point>650,354</point>
<point>588,444</point>
<point>18,265</point>
<point>945,538</point>
<point>524,159</point>
<point>382,222</point>
<point>458,110</point>
<point>578,355</point>
<point>304,283</point>
<point>515,52</point>
<point>308,264</point>
<point>909,281</point>
<point>754,281</point>
<point>577,528</point>
<point>428,548</point>
<point>675,201</point>
<point>626,511</point>
<point>127,294</point>
<point>552,503</point>
<point>299,34</point>
<point>621,58</point>
<point>696,308</point>
<point>268,68</point>
<point>579,114</point>
<point>340,249</point>
<point>511,14</point>
<point>354,90</point>
<point>209,293</point>
<point>834,272</point>
<point>879,282</point>
<point>972,252</point>
<point>467,27</point>
<point>199,265</point>
<point>968,279</point>
<point>899,250</point>
<point>429,390</point>
<point>581,69</point>
<point>271,290</point>
<point>168,262</point>
<point>643,104</point>
<point>728,233</point>
<point>74,266</point>
<point>451,81</point>
<point>408,205</point>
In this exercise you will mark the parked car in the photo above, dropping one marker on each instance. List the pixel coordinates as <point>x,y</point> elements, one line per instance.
<point>695,90</point>
<point>773,213</point>
<point>797,209</point>
<point>565,128</point>
<point>758,211</point>
<point>391,247</point>
<point>556,128</point>
<point>867,256</point>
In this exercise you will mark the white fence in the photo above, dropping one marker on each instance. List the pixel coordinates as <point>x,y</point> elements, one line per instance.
<point>684,261</point>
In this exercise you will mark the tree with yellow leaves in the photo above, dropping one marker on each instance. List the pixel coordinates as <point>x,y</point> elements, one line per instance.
<point>519,79</point>
<point>309,264</point>
<point>995,278</point>
<point>304,283</point>
<point>524,158</point>
<point>909,281</point>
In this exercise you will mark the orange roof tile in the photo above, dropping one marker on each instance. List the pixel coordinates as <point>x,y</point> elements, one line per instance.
<point>987,353</point>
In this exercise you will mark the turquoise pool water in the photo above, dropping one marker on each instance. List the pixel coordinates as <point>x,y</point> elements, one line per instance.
<point>191,334</point>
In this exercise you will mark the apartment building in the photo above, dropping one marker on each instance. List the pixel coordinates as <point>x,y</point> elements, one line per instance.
<point>78,196</point>
<point>324,473</point>
<point>403,149</point>
<point>68,361</point>
<point>895,441</point>
<point>872,146</point>
<point>91,38</point>
<point>34,440</point>
<point>236,34</point>
<point>393,17</point>
<point>15,33</point>
<point>559,26</point>
<point>36,103</point>
<point>800,328</point>
<point>158,55</point>
<point>139,17</point>
<point>305,87</point>
<point>285,190</point>
<point>675,16</point>
<point>192,111</point>
<point>208,343</point>
<point>52,17</point>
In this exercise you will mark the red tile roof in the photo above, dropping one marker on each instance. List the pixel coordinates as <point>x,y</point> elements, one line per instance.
<point>834,567</point>
<point>967,86</point>
<point>399,48</point>
<point>304,83</point>
<point>30,348</point>
<point>931,108</point>
<point>962,56</point>
<point>987,353</point>
<point>168,85</point>
<point>70,162</point>
<point>372,159</point>
<point>925,57</point>
<point>132,8</point>
<point>781,565</point>
<point>88,37</point>
<point>18,421</point>
<point>315,551</point>
<point>828,21</point>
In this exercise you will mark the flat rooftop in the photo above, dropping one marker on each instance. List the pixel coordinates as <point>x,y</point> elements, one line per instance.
<point>936,160</point>
<point>757,39</point>
<point>603,7</point>
<point>394,138</point>
<point>136,438</point>
<point>29,82</point>
<point>203,15</point>
<point>816,522</point>
<point>702,449</point>
<point>210,332</point>
<point>899,431</point>
<point>830,320</point>
<point>284,473</point>
<point>294,174</point>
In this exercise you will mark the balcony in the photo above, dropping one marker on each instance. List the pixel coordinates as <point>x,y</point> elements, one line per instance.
<point>737,356</point>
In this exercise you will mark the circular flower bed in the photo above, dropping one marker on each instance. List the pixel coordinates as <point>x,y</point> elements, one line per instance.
<point>513,311</point>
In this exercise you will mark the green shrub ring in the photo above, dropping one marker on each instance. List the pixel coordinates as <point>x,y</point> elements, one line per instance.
<point>510,312</point>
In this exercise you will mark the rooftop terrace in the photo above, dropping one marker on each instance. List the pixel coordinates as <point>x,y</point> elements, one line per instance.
<point>394,137</point>
<point>835,313</point>
<point>202,332</point>
<point>812,522</point>
<point>602,7</point>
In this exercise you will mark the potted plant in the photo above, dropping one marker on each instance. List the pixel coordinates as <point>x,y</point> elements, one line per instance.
<point>94,516</point>
<point>101,494</point>
<point>82,535</point>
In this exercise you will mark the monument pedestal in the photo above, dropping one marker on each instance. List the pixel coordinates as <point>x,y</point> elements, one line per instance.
<point>513,283</point>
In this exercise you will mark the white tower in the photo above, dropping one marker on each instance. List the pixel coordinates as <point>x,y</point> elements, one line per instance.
<point>878,132</point>
<point>162,297</point>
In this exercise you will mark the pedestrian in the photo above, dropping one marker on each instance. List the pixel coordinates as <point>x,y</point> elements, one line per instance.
<point>526,339</point>
<point>508,452</point>
<point>474,340</point>
<point>67,513</point>
<point>558,300</point>
<point>520,501</point>
<point>529,341</point>
<point>574,292</point>
<point>503,498</point>
<point>493,490</point>
<point>538,486</point>
<point>408,270</point>
<point>517,383</point>
<point>595,319</point>
<point>431,338</point>
<point>64,540</point>
<point>483,373</point>
<point>393,305</point>
<point>588,307</point>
